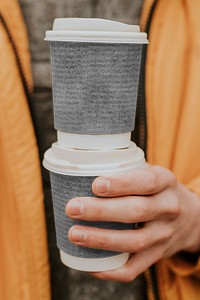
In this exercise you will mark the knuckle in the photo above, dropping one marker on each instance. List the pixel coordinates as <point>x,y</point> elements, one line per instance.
<point>152,183</point>
<point>93,241</point>
<point>172,179</point>
<point>142,214</point>
<point>138,209</point>
<point>98,211</point>
<point>141,210</point>
<point>175,206</point>
<point>172,205</point>
<point>94,210</point>
<point>156,173</point>
<point>102,242</point>
<point>140,243</point>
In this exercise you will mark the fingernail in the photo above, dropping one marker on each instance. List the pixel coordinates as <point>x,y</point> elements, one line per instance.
<point>102,185</point>
<point>77,235</point>
<point>74,207</point>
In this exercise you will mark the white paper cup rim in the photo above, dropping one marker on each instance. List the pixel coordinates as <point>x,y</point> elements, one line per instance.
<point>95,30</point>
<point>94,264</point>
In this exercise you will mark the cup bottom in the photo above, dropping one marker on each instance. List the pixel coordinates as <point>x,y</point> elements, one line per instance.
<point>81,141</point>
<point>94,264</point>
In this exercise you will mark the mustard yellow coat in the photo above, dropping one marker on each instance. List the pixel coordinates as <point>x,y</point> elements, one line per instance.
<point>173,118</point>
<point>24,269</point>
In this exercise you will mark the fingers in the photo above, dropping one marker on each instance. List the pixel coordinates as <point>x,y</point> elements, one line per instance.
<point>135,266</point>
<point>131,241</point>
<point>127,209</point>
<point>146,181</point>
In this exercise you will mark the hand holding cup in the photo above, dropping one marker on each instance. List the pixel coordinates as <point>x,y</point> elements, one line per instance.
<point>153,196</point>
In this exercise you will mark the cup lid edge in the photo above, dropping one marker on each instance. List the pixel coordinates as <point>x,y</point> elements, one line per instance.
<point>95,23</point>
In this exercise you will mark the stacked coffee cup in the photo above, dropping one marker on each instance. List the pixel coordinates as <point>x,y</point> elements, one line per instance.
<point>95,73</point>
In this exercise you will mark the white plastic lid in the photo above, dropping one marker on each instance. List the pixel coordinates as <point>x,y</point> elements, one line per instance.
<point>68,161</point>
<point>95,30</point>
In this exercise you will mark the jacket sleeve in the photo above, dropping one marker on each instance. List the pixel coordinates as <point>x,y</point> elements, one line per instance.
<point>186,264</point>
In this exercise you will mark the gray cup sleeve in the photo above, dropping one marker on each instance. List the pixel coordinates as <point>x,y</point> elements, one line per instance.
<point>64,188</point>
<point>95,86</point>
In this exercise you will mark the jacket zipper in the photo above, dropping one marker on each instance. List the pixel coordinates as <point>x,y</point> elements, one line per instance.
<point>150,277</point>
<point>141,135</point>
<point>27,88</point>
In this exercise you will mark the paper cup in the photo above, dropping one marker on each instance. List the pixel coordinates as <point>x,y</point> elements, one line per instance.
<point>95,74</point>
<point>72,173</point>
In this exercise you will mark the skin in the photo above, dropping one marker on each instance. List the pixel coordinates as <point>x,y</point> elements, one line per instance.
<point>170,212</point>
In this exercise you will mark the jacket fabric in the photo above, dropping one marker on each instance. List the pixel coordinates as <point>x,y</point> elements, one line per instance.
<point>173,141</point>
<point>173,117</point>
<point>24,269</point>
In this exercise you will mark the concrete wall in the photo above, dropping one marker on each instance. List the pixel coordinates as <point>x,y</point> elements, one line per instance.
<point>39,15</point>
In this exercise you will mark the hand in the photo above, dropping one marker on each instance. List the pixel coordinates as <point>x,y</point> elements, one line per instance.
<point>170,211</point>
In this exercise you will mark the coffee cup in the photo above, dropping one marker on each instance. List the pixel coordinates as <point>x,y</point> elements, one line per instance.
<point>95,74</point>
<point>72,173</point>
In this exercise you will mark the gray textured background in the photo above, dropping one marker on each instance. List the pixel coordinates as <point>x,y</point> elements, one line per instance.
<point>68,284</point>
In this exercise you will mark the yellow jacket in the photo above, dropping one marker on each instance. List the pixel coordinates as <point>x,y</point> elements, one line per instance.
<point>24,270</point>
<point>173,111</point>
<point>173,117</point>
